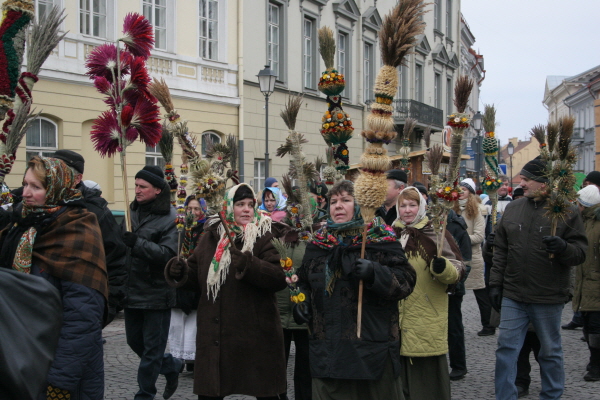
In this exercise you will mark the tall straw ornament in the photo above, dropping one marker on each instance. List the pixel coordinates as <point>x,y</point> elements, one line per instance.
<point>397,37</point>
<point>121,75</point>
<point>336,125</point>
<point>409,126</point>
<point>490,182</point>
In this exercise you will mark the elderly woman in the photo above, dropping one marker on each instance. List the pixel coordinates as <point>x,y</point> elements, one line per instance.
<point>273,203</point>
<point>424,314</point>
<point>344,366</point>
<point>58,239</point>
<point>239,347</point>
<point>470,208</point>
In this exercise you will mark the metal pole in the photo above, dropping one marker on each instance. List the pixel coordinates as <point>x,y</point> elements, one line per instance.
<point>511,174</point>
<point>266,137</point>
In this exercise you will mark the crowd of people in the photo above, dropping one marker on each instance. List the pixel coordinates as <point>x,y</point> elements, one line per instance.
<point>216,294</point>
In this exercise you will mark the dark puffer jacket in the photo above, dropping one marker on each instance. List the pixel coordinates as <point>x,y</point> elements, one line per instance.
<point>156,244</point>
<point>522,266</point>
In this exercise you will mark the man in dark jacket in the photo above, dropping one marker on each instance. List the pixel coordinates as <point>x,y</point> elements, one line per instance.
<point>457,226</point>
<point>529,285</point>
<point>114,247</point>
<point>148,299</point>
<point>396,180</point>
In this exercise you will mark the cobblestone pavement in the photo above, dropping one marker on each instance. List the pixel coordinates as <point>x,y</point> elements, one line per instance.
<point>121,363</point>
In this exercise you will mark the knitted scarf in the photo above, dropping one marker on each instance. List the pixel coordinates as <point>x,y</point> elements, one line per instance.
<point>59,192</point>
<point>219,266</point>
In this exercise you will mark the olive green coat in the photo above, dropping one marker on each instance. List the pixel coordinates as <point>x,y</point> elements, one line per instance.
<point>587,275</point>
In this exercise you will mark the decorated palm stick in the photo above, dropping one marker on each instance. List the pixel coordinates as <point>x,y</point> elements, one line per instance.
<point>397,37</point>
<point>304,172</point>
<point>336,126</point>
<point>15,92</point>
<point>409,126</point>
<point>121,75</point>
<point>490,181</point>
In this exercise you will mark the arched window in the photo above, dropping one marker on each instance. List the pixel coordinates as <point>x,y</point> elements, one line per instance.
<point>41,138</point>
<point>207,137</point>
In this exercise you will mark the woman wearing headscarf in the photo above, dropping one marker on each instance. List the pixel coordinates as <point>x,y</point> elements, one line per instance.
<point>344,366</point>
<point>239,346</point>
<point>273,203</point>
<point>56,238</point>
<point>470,208</point>
<point>424,314</point>
<point>182,332</point>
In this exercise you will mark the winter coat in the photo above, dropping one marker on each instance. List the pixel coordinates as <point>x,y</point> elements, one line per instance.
<point>587,275</point>
<point>239,345</point>
<point>156,244</point>
<point>424,314</point>
<point>388,216</point>
<point>458,229</point>
<point>476,229</point>
<point>114,248</point>
<point>335,350</point>
<point>521,264</point>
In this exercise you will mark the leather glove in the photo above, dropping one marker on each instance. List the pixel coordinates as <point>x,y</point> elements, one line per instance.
<point>495,295</point>
<point>364,269</point>
<point>239,260</point>
<point>438,265</point>
<point>129,238</point>
<point>554,244</point>
<point>490,239</point>
<point>302,312</point>
<point>176,267</point>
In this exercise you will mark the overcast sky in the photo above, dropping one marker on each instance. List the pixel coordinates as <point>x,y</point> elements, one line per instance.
<point>523,42</point>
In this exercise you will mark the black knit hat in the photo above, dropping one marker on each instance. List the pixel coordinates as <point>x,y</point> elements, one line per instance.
<point>397,174</point>
<point>72,159</point>
<point>535,170</point>
<point>518,192</point>
<point>153,175</point>
<point>593,177</point>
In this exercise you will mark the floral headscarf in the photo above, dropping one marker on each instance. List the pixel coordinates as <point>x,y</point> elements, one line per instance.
<point>280,201</point>
<point>59,192</point>
<point>219,266</point>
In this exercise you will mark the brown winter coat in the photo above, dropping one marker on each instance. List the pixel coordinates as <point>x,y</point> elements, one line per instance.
<point>587,275</point>
<point>239,345</point>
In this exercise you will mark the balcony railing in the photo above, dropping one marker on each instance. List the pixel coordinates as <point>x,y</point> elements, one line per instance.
<point>423,113</point>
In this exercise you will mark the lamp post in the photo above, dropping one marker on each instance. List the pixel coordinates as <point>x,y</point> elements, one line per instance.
<point>511,150</point>
<point>477,124</point>
<point>266,81</point>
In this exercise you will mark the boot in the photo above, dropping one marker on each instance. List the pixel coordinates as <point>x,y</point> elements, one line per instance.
<point>593,373</point>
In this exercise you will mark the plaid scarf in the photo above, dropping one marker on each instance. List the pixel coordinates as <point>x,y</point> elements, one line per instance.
<point>59,192</point>
<point>219,266</point>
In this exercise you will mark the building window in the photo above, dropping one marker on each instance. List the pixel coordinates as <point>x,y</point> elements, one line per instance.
<point>437,15</point>
<point>343,55</point>
<point>449,90</point>
<point>274,38</point>
<point>419,82</point>
<point>41,138</point>
<point>449,19</point>
<point>369,69</point>
<point>259,174</point>
<point>403,90</point>
<point>208,137</point>
<point>43,7</point>
<point>156,13</point>
<point>92,17</point>
<point>309,53</point>
<point>209,34</point>
<point>438,90</point>
<point>154,157</point>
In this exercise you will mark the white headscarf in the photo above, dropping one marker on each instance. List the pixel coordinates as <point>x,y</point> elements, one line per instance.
<point>422,203</point>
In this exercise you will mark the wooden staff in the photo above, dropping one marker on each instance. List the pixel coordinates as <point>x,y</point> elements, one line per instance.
<point>227,232</point>
<point>361,284</point>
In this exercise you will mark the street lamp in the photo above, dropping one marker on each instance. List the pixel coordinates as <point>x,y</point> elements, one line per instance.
<point>266,81</point>
<point>511,150</point>
<point>477,124</point>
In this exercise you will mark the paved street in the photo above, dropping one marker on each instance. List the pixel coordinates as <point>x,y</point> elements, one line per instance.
<point>121,365</point>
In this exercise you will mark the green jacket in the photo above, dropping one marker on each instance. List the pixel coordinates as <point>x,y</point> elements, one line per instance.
<point>587,274</point>
<point>284,304</point>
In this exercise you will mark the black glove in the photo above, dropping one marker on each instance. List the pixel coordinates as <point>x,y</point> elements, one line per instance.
<point>495,295</point>
<point>364,269</point>
<point>176,267</point>
<point>129,238</point>
<point>239,260</point>
<point>301,311</point>
<point>438,265</point>
<point>490,239</point>
<point>554,244</point>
